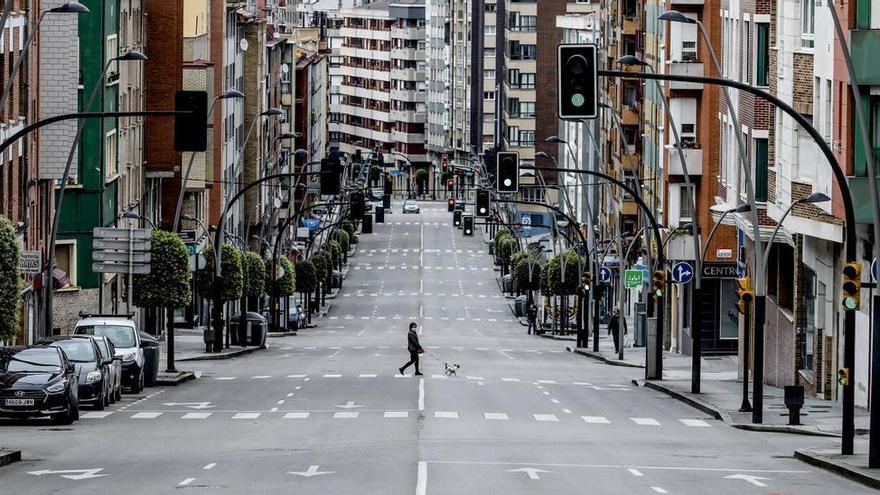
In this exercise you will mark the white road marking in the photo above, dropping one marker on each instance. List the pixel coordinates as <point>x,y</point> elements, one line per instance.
<point>567,411</point>
<point>246,416</point>
<point>699,423</point>
<point>479,378</point>
<point>446,414</point>
<point>210,466</point>
<point>196,415</point>
<point>545,417</point>
<point>96,414</point>
<point>332,376</point>
<point>367,375</point>
<point>225,378</point>
<point>260,377</point>
<point>280,402</point>
<point>296,415</point>
<point>422,480</point>
<point>510,379</point>
<point>555,401</point>
<point>548,382</point>
<point>421,394</point>
<point>290,394</point>
<point>396,414</point>
<point>346,415</point>
<point>645,421</point>
<point>186,482</point>
<point>496,416</point>
<point>596,420</point>
<point>146,415</point>
<point>635,472</point>
<point>657,489</point>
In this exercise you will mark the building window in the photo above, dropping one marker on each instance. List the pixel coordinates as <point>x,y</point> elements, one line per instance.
<point>728,327</point>
<point>489,95</point>
<point>111,47</point>
<point>761,164</point>
<point>808,20</point>
<point>110,154</point>
<point>527,138</point>
<point>489,74</point>
<point>762,57</point>
<point>65,259</point>
<point>684,203</point>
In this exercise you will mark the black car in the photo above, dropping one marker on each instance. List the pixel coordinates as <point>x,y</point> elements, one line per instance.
<point>38,381</point>
<point>92,368</point>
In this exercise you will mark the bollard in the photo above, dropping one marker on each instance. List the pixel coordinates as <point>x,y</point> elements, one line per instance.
<point>794,400</point>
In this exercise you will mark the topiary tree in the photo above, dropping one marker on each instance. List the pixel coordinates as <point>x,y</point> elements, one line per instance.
<point>306,276</point>
<point>10,281</point>
<point>254,270</point>
<point>336,252</point>
<point>168,283</point>
<point>287,282</point>
<point>556,284</point>
<point>345,244</point>
<point>349,228</point>
<point>233,278</point>
<point>505,250</point>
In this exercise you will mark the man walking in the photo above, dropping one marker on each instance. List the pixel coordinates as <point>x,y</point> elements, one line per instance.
<point>414,348</point>
<point>532,317</point>
<point>614,328</point>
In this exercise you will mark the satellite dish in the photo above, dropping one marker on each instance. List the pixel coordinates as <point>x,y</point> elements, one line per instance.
<point>243,44</point>
<point>277,202</point>
<point>285,68</point>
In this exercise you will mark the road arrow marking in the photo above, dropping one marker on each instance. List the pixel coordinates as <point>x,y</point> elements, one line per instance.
<point>747,478</point>
<point>530,471</point>
<point>350,405</point>
<point>191,405</point>
<point>312,471</point>
<point>84,474</point>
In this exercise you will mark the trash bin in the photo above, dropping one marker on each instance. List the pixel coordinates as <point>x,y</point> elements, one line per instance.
<point>336,280</point>
<point>150,347</point>
<point>519,306</point>
<point>255,332</point>
<point>507,283</point>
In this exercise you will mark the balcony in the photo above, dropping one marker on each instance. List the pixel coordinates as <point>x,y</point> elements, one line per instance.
<point>686,2</point>
<point>408,74</point>
<point>693,158</point>
<point>414,33</point>
<point>408,116</point>
<point>408,138</point>
<point>407,54</point>
<point>685,69</point>
<point>864,46</point>
<point>411,96</point>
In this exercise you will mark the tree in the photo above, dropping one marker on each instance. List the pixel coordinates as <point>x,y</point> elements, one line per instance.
<point>254,274</point>
<point>306,278</point>
<point>336,252</point>
<point>10,280</point>
<point>344,243</point>
<point>555,283</point>
<point>233,278</point>
<point>349,228</point>
<point>505,250</point>
<point>520,273</point>
<point>287,282</point>
<point>168,283</point>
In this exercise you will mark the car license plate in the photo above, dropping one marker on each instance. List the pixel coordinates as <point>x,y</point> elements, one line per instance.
<point>19,402</point>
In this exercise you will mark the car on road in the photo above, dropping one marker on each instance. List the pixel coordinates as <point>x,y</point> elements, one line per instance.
<point>108,351</point>
<point>92,369</point>
<point>123,332</point>
<point>38,381</point>
<point>410,206</point>
<point>377,193</point>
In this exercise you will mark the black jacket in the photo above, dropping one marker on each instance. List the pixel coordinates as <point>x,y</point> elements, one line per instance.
<point>412,344</point>
<point>614,324</point>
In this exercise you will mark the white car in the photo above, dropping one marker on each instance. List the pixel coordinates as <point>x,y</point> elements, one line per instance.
<point>411,207</point>
<point>124,334</point>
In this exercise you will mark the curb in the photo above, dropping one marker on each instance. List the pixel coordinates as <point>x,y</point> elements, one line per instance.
<point>278,335</point>
<point>839,468</point>
<point>612,362</point>
<point>691,401</point>
<point>783,429</point>
<point>556,337</point>
<point>9,456</point>
<point>175,380</point>
<point>216,357</point>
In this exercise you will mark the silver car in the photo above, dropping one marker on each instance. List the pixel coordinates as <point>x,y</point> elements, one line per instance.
<point>108,351</point>
<point>411,207</point>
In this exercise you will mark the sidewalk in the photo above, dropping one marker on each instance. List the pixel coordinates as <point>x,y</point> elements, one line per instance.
<point>9,456</point>
<point>854,467</point>
<point>189,345</point>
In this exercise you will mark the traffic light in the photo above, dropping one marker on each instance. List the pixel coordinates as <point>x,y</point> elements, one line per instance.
<point>456,218</point>
<point>483,203</point>
<point>445,162</point>
<point>576,79</point>
<point>843,376</point>
<point>449,184</point>
<point>744,293</point>
<point>330,170</point>
<point>507,178</point>
<point>659,284</point>
<point>469,225</point>
<point>852,286</point>
<point>451,204</point>
<point>191,131</point>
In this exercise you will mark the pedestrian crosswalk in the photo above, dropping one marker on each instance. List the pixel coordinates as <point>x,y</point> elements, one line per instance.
<point>417,250</point>
<point>471,268</point>
<point>444,415</point>
<point>609,387</point>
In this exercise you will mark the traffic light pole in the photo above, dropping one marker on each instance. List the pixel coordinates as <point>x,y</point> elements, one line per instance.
<point>849,322</point>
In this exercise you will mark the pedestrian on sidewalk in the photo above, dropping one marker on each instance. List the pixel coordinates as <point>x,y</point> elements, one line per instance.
<point>614,328</point>
<point>532,317</point>
<point>414,348</point>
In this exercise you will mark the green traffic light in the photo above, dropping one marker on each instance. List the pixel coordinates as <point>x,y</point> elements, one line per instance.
<point>578,100</point>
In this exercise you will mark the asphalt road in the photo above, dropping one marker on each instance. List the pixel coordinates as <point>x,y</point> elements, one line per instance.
<point>325,412</point>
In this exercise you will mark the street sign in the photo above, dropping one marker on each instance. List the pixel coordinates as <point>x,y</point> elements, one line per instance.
<point>31,262</point>
<point>604,274</point>
<point>633,279</point>
<point>121,256</point>
<point>187,236</point>
<point>120,268</point>
<point>118,245</point>
<point>874,270</point>
<point>682,272</point>
<point>110,233</point>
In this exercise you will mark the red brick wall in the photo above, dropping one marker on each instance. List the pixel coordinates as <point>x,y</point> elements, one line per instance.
<point>163,77</point>
<point>546,117</point>
<point>216,32</point>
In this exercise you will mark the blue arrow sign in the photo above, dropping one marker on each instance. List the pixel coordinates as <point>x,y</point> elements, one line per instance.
<point>682,272</point>
<point>605,274</point>
<point>874,267</point>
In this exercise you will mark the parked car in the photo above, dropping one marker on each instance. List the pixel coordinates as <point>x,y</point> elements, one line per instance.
<point>410,206</point>
<point>123,333</point>
<point>92,369</point>
<point>296,315</point>
<point>38,381</point>
<point>108,351</point>
<point>377,193</point>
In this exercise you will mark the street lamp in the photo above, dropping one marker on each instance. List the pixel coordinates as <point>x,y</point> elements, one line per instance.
<point>130,215</point>
<point>696,287</point>
<point>132,55</point>
<point>232,94</point>
<point>814,198</point>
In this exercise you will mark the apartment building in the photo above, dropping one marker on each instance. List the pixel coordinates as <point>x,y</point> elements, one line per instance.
<point>520,80</point>
<point>493,73</point>
<point>383,94</point>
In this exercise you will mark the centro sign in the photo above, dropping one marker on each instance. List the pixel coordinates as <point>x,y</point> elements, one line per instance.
<point>719,270</point>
